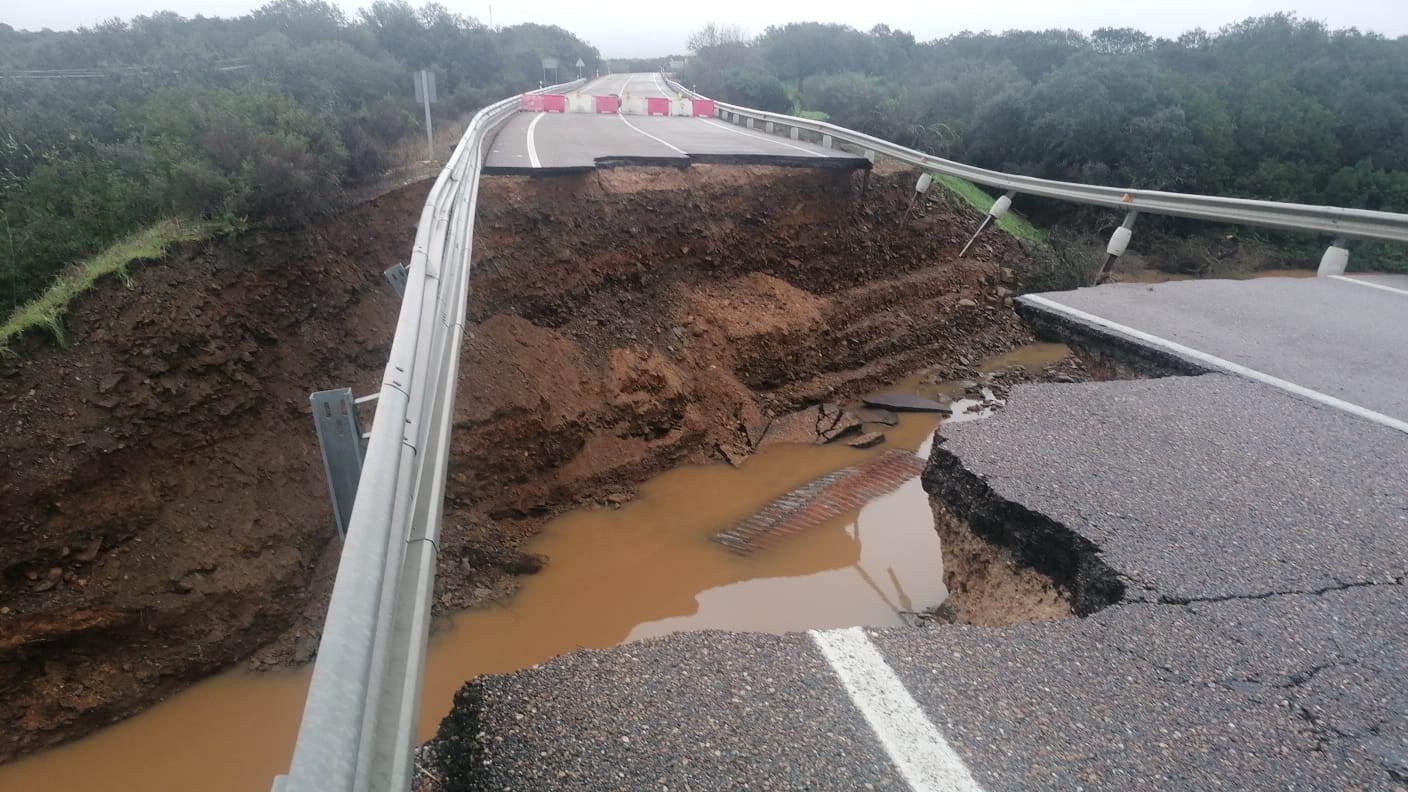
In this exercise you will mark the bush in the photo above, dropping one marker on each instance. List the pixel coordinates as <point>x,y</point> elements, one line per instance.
<point>756,88</point>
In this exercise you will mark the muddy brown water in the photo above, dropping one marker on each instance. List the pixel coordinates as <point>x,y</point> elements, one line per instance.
<point>646,569</point>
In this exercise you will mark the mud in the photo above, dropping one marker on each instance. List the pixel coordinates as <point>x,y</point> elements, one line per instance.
<point>1020,541</point>
<point>164,508</point>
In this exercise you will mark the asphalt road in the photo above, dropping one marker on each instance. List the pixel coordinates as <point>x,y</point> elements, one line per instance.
<point>638,85</point>
<point>570,142</point>
<point>1260,642</point>
<point>1343,337</point>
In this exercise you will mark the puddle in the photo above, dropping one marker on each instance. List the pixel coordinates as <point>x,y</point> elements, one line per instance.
<point>1032,357</point>
<point>614,575</point>
<point>230,733</point>
<point>651,568</point>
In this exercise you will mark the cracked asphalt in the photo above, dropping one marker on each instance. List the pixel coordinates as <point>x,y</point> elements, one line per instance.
<point>1262,642</point>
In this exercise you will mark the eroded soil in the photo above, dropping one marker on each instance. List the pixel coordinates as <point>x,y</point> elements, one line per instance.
<point>164,511</point>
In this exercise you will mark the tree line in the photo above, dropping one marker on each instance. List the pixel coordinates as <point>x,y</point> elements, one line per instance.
<point>268,116</point>
<point>1276,107</point>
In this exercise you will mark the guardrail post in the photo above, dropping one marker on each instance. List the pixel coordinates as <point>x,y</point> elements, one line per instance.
<point>1119,241</point>
<point>795,133</point>
<point>1335,260</point>
<point>396,276</point>
<point>995,212</point>
<point>340,439</point>
<point>826,141</point>
<point>920,187</point>
<point>768,127</point>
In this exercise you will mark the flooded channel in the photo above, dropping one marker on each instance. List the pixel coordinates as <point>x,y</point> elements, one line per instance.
<point>646,569</point>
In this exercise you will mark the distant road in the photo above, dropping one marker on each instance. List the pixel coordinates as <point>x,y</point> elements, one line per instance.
<point>633,84</point>
<point>565,142</point>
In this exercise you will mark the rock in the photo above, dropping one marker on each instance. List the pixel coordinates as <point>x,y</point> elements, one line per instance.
<point>877,415</point>
<point>812,426</point>
<point>304,648</point>
<point>109,382</point>
<point>905,402</point>
<point>89,551</point>
<point>867,440</point>
<point>50,581</point>
<point>967,303</point>
<point>735,455</point>
<point>833,420</point>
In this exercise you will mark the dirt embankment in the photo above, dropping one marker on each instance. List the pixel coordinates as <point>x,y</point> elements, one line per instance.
<point>162,506</point>
<point>164,512</point>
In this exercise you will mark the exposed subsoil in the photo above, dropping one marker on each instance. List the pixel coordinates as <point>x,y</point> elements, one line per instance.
<point>164,510</point>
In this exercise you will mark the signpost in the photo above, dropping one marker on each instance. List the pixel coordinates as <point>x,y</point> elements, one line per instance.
<point>580,66</point>
<point>425,94</point>
<point>549,63</point>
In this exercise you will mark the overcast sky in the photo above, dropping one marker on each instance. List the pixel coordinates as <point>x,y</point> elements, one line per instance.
<point>641,29</point>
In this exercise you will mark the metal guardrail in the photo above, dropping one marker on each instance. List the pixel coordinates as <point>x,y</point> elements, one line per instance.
<point>1333,221</point>
<point>359,721</point>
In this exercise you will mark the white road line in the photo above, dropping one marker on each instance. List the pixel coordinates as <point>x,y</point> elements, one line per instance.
<point>1369,284</point>
<point>762,135</point>
<point>652,137</point>
<point>532,149</point>
<point>658,86</point>
<point>921,754</point>
<point>1225,365</point>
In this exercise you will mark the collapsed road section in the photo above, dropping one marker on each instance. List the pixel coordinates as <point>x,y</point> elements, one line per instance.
<point>1236,551</point>
<point>165,515</point>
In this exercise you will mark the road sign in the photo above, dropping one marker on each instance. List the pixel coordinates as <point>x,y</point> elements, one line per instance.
<point>425,79</point>
<point>425,94</point>
<point>580,64</point>
<point>549,63</point>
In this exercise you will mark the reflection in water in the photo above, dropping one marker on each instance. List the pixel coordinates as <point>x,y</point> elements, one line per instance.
<point>644,570</point>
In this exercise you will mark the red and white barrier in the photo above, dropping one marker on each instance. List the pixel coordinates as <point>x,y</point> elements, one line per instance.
<point>543,103</point>
<point>611,103</point>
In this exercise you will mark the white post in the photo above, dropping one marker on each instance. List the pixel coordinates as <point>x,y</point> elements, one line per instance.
<point>429,135</point>
<point>1335,260</point>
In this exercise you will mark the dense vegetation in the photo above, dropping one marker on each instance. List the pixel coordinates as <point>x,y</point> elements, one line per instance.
<point>1276,108</point>
<point>265,117</point>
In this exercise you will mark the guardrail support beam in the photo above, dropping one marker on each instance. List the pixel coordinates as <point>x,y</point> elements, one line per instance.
<point>340,439</point>
<point>396,276</point>
<point>1335,260</point>
<point>995,212</point>
<point>1119,242</point>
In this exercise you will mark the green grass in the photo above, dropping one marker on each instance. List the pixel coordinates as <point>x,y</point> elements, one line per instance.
<point>1013,223</point>
<point>47,310</point>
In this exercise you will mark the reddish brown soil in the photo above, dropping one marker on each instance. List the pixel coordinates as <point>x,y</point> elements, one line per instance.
<point>622,322</point>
